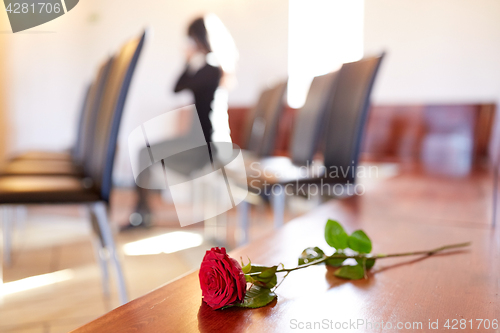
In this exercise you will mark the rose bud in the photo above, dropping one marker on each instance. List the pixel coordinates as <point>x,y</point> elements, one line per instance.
<point>221,279</point>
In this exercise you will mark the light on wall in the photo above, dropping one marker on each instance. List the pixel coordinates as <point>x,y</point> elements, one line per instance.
<point>322,35</point>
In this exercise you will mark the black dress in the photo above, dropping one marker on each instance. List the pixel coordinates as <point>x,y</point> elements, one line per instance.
<point>203,84</point>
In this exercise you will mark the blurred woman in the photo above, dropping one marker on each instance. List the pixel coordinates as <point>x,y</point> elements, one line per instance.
<point>211,57</point>
<point>210,62</point>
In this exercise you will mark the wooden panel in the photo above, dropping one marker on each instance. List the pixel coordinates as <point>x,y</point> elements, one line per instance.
<point>394,133</point>
<point>421,133</point>
<point>404,133</point>
<point>285,130</point>
<point>238,116</point>
<point>483,131</point>
<point>237,120</point>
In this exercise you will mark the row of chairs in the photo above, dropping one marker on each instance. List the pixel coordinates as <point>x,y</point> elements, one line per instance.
<point>83,176</point>
<point>333,118</point>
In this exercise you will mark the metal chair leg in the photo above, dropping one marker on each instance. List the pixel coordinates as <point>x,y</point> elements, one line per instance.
<point>278,202</point>
<point>7,234</point>
<point>102,258</point>
<point>21,213</point>
<point>100,251</point>
<point>222,228</point>
<point>243,215</point>
<point>2,231</point>
<point>99,209</point>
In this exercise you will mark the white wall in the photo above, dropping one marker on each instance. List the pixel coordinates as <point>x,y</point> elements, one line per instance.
<point>439,51</point>
<point>47,71</point>
<point>4,130</point>
<point>322,35</point>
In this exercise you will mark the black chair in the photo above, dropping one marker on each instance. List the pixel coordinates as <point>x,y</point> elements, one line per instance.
<point>40,164</point>
<point>347,106</point>
<point>263,121</point>
<point>348,118</point>
<point>95,187</point>
<point>305,140</point>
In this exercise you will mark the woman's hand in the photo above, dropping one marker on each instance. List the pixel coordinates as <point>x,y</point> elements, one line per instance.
<point>190,49</point>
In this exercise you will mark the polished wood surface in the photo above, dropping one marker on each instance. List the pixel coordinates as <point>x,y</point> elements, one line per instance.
<point>401,214</point>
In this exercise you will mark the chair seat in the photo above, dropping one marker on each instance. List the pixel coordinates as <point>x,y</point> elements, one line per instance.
<point>41,167</point>
<point>52,190</point>
<point>44,155</point>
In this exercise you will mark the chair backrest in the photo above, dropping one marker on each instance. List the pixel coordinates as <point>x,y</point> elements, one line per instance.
<point>76,150</point>
<point>88,118</point>
<point>310,119</point>
<point>253,130</point>
<point>348,113</point>
<point>265,120</point>
<point>100,164</point>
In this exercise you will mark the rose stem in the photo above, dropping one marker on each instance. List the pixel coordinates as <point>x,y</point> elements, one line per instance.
<point>377,256</point>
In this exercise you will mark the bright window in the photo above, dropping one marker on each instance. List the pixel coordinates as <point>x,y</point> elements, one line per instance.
<point>322,35</point>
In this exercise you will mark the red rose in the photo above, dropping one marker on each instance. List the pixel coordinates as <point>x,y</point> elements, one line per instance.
<point>221,279</point>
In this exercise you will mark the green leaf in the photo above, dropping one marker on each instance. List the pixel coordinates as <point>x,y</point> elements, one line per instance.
<point>359,242</point>
<point>336,262</point>
<point>310,254</point>
<point>262,276</point>
<point>335,235</point>
<point>246,268</point>
<point>350,272</point>
<point>257,297</point>
<point>368,262</point>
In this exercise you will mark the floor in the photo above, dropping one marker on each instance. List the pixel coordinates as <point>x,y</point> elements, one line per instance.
<point>57,241</point>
